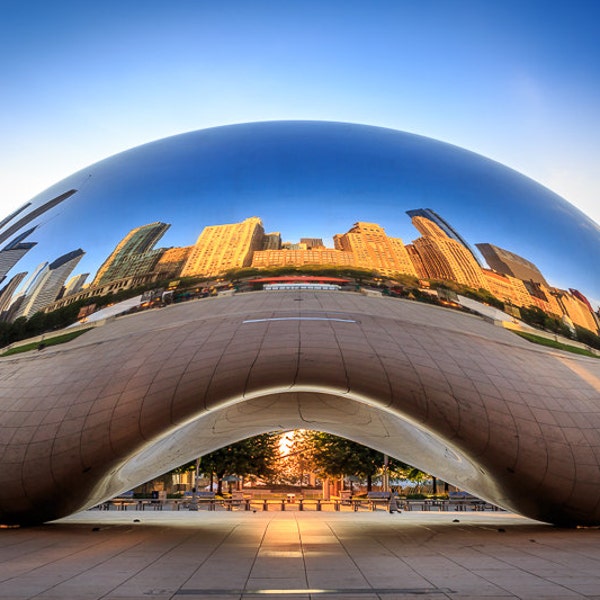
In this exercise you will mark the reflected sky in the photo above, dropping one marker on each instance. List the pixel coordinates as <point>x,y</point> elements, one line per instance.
<point>309,179</point>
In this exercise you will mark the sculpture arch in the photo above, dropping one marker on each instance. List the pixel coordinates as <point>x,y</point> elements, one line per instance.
<point>449,392</point>
<point>515,423</point>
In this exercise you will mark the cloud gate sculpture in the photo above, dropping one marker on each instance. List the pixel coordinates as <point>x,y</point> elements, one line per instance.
<point>267,276</point>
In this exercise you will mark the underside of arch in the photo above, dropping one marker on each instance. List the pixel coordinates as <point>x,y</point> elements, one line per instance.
<point>445,391</point>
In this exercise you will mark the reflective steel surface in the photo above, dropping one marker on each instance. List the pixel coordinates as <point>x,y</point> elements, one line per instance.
<point>306,179</point>
<point>200,223</point>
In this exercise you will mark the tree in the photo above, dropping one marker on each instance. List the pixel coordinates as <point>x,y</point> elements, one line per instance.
<point>252,456</point>
<point>587,337</point>
<point>334,456</point>
<point>538,318</point>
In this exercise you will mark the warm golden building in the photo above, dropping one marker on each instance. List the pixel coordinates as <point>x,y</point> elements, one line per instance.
<point>172,261</point>
<point>373,249</point>
<point>444,258</point>
<point>544,298</point>
<point>223,247</point>
<point>272,241</point>
<point>576,310</point>
<point>506,288</point>
<point>319,256</point>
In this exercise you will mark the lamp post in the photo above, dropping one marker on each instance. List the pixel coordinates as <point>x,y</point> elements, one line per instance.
<point>386,473</point>
<point>194,503</point>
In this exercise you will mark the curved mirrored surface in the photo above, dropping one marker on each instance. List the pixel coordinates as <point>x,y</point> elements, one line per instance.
<point>431,210</point>
<point>319,221</point>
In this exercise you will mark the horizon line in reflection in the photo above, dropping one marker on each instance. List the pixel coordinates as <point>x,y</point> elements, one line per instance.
<point>439,254</point>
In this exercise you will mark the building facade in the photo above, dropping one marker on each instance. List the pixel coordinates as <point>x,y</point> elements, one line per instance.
<point>373,249</point>
<point>223,247</point>
<point>49,283</point>
<point>318,256</point>
<point>508,263</point>
<point>133,255</point>
<point>444,258</point>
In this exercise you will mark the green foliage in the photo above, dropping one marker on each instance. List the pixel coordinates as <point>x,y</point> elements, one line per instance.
<point>536,339</point>
<point>324,270</point>
<point>334,456</point>
<point>585,336</point>
<point>409,281</point>
<point>252,456</point>
<point>53,341</point>
<point>536,317</point>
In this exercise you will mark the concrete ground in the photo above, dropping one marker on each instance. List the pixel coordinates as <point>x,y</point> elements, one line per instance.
<point>129,555</point>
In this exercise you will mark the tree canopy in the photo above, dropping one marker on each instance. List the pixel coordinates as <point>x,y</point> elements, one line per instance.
<point>334,456</point>
<point>252,456</point>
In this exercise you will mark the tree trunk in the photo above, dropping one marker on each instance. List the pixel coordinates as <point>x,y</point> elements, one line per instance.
<point>369,483</point>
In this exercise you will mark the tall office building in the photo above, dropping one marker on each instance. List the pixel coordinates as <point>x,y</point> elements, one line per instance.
<point>577,310</point>
<point>132,265</point>
<point>373,249</point>
<point>431,216</point>
<point>272,241</point>
<point>7,228</point>
<point>6,294</point>
<point>312,243</point>
<point>75,284</point>
<point>172,261</point>
<point>223,247</point>
<point>443,257</point>
<point>133,255</point>
<point>417,261</point>
<point>49,283</point>
<point>12,253</point>
<point>508,263</point>
<point>30,282</point>
<point>506,288</point>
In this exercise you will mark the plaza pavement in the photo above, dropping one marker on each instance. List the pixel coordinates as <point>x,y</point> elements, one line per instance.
<point>130,555</point>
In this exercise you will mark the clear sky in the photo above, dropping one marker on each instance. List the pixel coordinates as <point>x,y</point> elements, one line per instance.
<point>517,81</point>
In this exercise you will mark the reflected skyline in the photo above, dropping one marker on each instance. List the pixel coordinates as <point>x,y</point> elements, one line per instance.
<point>305,180</point>
<point>440,254</point>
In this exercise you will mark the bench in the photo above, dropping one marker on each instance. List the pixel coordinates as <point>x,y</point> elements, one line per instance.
<point>376,498</point>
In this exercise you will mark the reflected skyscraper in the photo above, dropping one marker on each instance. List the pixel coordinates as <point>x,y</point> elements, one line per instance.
<point>312,243</point>
<point>223,247</point>
<point>8,290</point>
<point>508,263</point>
<point>75,284</point>
<point>576,309</point>
<point>12,253</point>
<point>299,255</point>
<point>443,257</point>
<point>49,283</point>
<point>434,217</point>
<point>171,262</point>
<point>373,249</point>
<point>272,241</point>
<point>11,228</point>
<point>134,255</point>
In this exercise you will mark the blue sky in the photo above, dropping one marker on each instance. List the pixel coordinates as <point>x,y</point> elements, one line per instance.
<point>518,82</point>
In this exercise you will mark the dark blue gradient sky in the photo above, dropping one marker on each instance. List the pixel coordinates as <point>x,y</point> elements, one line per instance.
<point>516,81</point>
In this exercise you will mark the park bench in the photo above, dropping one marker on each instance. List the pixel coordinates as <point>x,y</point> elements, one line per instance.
<point>465,500</point>
<point>377,498</point>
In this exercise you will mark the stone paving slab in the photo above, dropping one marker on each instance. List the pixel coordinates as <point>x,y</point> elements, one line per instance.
<point>131,555</point>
